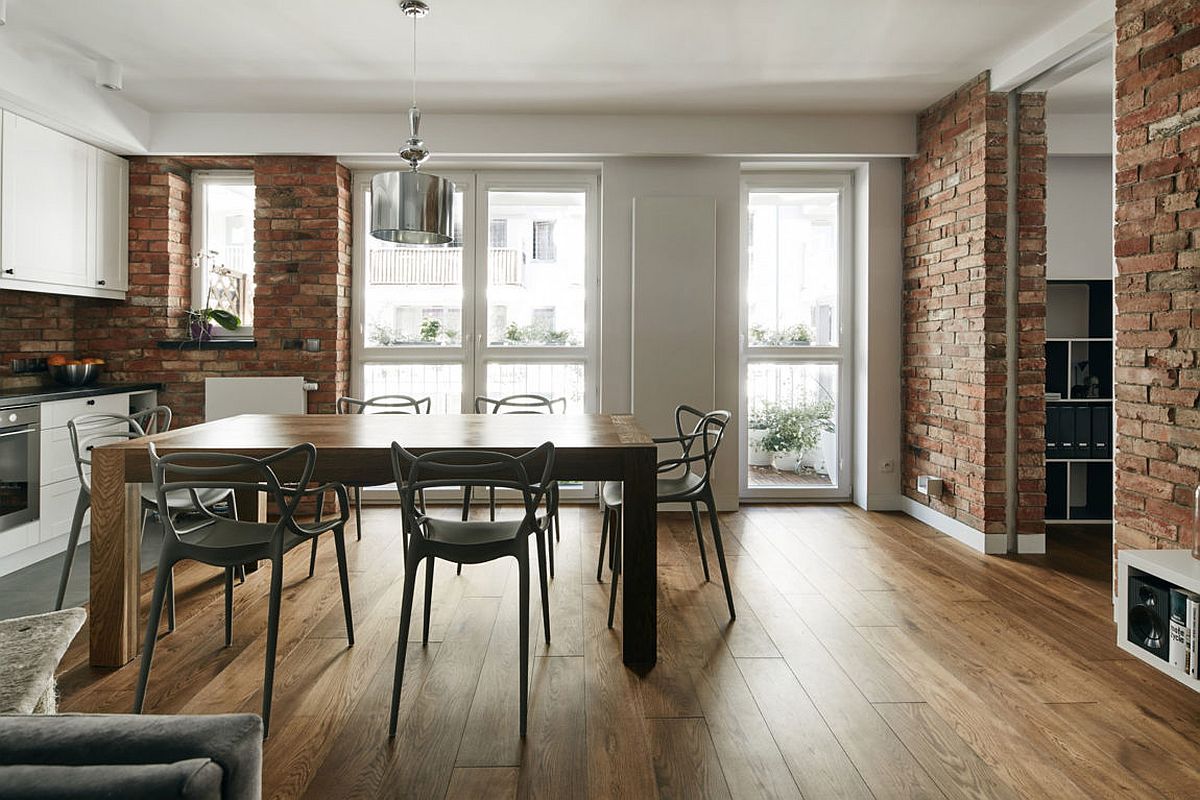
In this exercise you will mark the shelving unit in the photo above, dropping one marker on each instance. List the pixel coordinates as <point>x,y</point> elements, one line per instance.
<point>1176,567</point>
<point>1079,369</point>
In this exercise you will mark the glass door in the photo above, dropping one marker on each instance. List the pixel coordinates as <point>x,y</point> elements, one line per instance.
<point>796,293</point>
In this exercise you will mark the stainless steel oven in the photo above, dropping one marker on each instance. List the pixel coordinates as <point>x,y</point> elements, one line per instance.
<point>19,465</point>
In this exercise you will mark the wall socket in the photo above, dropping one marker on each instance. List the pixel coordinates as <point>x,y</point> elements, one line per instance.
<point>887,465</point>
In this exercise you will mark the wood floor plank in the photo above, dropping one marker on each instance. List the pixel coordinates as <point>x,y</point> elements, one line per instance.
<point>685,761</point>
<point>818,763</point>
<point>554,756</point>
<point>483,783</point>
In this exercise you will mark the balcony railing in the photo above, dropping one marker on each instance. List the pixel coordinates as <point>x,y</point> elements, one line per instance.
<point>442,267</point>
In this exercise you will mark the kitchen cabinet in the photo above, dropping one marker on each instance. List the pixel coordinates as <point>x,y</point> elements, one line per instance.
<point>63,213</point>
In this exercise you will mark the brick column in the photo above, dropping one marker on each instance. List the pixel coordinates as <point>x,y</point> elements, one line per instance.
<point>1157,246</point>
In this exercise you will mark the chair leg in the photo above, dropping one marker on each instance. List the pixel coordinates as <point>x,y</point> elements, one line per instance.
<point>550,544</point>
<point>428,598</point>
<point>339,543</point>
<point>82,503</point>
<point>541,553</point>
<point>410,581</point>
<point>272,638</point>
<point>615,554</point>
<point>241,571</point>
<point>357,490</point>
<point>156,606</point>
<point>557,520</point>
<point>492,503</point>
<point>466,510</point>
<point>700,538</point>
<point>523,643</point>
<point>312,558</point>
<point>603,541</point>
<point>228,606</point>
<point>171,600</point>
<point>716,532</point>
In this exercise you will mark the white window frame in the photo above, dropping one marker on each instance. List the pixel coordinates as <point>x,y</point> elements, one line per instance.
<point>841,355</point>
<point>201,180</point>
<point>475,352</point>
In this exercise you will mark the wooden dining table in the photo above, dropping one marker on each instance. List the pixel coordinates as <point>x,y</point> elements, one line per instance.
<point>355,448</point>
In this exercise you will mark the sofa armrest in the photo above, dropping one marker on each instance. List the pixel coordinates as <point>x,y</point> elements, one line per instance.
<point>233,741</point>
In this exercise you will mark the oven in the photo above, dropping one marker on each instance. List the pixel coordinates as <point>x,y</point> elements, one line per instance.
<point>19,465</point>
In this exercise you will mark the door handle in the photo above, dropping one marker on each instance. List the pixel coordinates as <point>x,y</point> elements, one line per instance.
<point>101,282</point>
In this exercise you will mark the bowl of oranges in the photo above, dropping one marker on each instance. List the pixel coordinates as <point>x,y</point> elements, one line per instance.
<point>74,371</point>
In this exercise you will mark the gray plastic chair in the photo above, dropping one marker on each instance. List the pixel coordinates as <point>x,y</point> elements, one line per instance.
<point>88,431</point>
<point>223,542</point>
<point>676,483</point>
<point>521,404</point>
<point>473,542</point>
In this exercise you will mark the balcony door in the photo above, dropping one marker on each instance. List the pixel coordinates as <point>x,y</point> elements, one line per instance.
<point>509,307</point>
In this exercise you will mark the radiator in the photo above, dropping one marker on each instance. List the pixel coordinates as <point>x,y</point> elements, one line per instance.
<point>227,397</point>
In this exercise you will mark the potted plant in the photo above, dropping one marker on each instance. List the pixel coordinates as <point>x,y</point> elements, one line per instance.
<point>756,430</point>
<point>796,430</point>
<point>200,320</point>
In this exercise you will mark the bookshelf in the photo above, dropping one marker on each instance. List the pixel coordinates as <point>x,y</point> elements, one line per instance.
<point>1079,402</point>
<point>1175,567</point>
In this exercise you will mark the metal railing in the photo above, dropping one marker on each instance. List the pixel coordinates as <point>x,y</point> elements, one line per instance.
<point>440,267</point>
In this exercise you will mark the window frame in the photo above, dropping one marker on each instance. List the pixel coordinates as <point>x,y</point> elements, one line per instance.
<point>201,181</point>
<point>841,354</point>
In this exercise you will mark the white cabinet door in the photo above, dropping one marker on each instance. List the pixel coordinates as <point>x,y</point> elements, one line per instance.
<point>46,191</point>
<point>112,222</point>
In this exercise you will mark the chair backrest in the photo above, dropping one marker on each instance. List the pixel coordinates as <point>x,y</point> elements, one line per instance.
<point>528,473</point>
<point>153,420</point>
<point>193,472</point>
<point>520,404</point>
<point>700,443</point>
<point>385,404</point>
<point>89,431</point>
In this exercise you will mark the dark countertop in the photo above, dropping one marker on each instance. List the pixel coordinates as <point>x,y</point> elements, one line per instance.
<point>49,393</point>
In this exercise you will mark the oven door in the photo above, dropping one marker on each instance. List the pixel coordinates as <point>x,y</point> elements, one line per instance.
<point>19,467</point>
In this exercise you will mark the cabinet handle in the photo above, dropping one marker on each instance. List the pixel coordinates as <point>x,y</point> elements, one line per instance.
<point>100,282</point>
<point>91,402</point>
<point>8,271</point>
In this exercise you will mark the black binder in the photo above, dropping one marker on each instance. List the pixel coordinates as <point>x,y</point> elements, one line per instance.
<point>1053,447</point>
<point>1066,431</point>
<point>1083,432</point>
<point>1101,431</point>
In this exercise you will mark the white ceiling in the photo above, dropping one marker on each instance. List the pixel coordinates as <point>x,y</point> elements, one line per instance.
<point>1087,92</point>
<point>562,56</point>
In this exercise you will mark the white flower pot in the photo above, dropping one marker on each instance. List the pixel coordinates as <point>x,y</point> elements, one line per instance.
<point>756,456</point>
<point>785,462</point>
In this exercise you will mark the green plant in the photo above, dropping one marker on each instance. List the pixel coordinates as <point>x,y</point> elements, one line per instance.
<point>538,333</point>
<point>798,429</point>
<point>793,335</point>
<point>197,318</point>
<point>430,328</point>
<point>760,418</point>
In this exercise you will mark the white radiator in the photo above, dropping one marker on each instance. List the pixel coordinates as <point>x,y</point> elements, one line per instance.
<point>228,397</point>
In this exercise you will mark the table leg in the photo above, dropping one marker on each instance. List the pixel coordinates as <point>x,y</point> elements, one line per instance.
<point>115,535</point>
<point>640,563</point>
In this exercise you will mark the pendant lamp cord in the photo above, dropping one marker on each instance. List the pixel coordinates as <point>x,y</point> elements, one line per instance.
<point>414,62</point>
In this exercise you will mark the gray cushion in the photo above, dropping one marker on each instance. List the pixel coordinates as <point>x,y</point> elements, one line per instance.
<point>193,779</point>
<point>233,741</point>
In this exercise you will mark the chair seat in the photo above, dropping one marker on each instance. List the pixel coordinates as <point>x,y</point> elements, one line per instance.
<point>226,534</point>
<point>473,532</point>
<point>183,500</point>
<point>665,488</point>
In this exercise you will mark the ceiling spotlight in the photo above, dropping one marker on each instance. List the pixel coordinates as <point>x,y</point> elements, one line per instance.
<point>108,74</point>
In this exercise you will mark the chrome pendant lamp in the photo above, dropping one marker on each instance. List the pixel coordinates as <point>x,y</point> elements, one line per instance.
<point>409,206</point>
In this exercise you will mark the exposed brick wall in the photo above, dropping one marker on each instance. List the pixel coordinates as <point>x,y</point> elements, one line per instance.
<point>954,369</point>
<point>1031,313</point>
<point>35,326</point>
<point>1157,246</point>
<point>302,277</point>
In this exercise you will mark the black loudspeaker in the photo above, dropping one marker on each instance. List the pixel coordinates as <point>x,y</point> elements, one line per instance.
<point>1149,620</point>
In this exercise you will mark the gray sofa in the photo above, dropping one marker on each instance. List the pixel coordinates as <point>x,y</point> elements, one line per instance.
<point>125,755</point>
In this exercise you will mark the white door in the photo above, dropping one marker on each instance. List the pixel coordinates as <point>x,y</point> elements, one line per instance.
<point>112,222</point>
<point>796,366</point>
<point>47,186</point>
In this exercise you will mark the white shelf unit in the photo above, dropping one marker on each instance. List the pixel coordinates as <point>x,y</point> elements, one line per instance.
<point>1176,567</point>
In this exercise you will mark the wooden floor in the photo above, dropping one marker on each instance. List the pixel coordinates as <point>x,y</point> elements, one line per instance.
<point>871,657</point>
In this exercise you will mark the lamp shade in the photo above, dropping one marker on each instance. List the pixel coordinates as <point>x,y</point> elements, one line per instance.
<point>410,207</point>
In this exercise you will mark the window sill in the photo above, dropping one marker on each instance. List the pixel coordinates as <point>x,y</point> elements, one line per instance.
<point>216,343</point>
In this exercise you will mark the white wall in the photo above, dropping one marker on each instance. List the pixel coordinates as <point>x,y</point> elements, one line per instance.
<point>1079,218</point>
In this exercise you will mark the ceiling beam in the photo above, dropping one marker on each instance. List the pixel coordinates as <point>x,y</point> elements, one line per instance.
<point>1087,28</point>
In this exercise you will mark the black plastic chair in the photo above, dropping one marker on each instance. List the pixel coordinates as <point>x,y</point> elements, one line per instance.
<point>228,543</point>
<point>677,483</point>
<point>473,542</point>
<point>521,404</point>
<point>89,431</point>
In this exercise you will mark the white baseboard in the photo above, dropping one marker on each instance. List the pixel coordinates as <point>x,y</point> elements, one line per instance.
<point>1032,543</point>
<point>42,550</point>
<point>990,543</point>
<point>881,502</point>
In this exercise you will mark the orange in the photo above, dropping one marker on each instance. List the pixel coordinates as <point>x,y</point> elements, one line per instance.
<point>56,360</point>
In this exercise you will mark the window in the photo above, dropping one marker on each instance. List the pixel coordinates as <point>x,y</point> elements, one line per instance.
<point>498,233</point>
<point>223,244</point>
<point>543,241</point>
<point>795,358</point>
